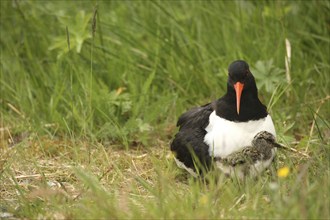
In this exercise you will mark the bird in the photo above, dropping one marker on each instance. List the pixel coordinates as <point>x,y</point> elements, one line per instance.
<point>251,160</point>
<point>223,126</point>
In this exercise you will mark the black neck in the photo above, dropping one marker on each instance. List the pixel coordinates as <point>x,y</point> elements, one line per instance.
<point>250,109</point>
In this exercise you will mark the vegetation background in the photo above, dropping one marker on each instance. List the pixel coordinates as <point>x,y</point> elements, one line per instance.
<point>91,91</point>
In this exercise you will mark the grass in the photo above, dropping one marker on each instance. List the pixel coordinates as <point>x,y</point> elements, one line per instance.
<point>87,118</point>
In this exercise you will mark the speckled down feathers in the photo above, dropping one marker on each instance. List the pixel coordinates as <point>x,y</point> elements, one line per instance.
<point>245,160</point>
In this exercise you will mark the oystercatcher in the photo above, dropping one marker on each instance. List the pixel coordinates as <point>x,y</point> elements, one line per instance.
<point>251,160</point>
<point>218,129</point>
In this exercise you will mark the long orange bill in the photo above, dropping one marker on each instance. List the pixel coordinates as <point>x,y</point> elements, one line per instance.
<point>238,89</point>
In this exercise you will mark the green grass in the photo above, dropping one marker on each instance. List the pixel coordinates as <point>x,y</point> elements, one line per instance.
<point>86,120</point>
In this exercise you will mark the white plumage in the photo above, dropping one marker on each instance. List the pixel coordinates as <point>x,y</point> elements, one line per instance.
<point>225,137</point>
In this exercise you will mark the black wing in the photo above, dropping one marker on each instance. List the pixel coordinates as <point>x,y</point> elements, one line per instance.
<point>188,143</point>
<point>196,117</point>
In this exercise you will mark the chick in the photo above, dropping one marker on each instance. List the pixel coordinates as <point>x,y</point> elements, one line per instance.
<point>251,160</point>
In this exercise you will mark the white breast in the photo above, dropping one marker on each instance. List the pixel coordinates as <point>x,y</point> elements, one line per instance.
<point>225,137</point>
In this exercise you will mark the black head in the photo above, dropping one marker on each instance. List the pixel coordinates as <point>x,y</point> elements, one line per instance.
<point>241,102</point>
<point>238,71</point>
<point>240,78</point>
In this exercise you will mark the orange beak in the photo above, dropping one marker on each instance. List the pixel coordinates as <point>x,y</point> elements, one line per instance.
<point>238,89</point>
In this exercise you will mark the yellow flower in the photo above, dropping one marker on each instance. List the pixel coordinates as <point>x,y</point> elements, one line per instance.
<point>204,200</point>
<point>283,172</point>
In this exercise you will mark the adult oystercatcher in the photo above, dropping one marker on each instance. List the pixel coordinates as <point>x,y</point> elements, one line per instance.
<point>216,130</point>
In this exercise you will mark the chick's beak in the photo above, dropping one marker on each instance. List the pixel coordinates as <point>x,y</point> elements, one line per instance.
<point>238,89</point>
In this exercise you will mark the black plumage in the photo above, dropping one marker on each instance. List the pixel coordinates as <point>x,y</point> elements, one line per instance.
<point>188,143</point>
<point>237,106</point>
